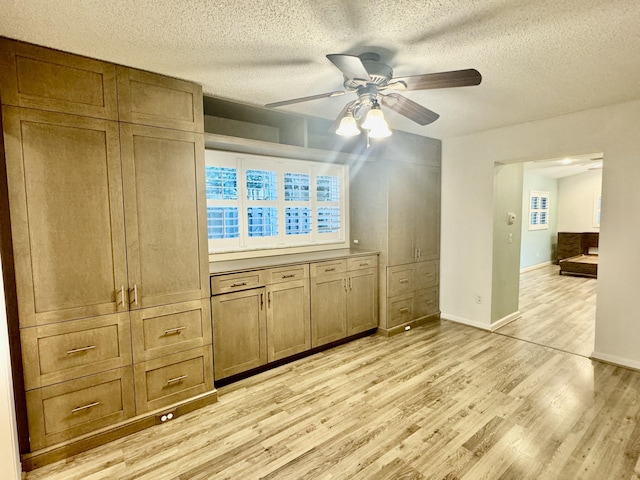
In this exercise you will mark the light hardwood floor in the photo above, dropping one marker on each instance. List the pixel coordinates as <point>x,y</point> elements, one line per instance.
<point>558,311</point>
<point>443,401</point>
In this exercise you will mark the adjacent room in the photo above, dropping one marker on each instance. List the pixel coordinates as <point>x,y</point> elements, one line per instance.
<point>319,239</point>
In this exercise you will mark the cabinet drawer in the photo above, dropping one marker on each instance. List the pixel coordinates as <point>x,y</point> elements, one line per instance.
<point>400,280</point>
<point>151,99</point>
<point>66,410</point>
<point>44,79</point>
<point>426,301</point>
<point>400,310</point>
<point>64,351</point>
<point>360,263</point>
<point>234,282</point>
<point>328,268</point>
<point>286,274</point>
<point>167,380</point>
<point>426,274</point>
<point>160,331</point>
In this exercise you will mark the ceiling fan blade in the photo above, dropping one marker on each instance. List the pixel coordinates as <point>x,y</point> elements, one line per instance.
<point>336,124</point>
<point>456,78</point>
<point>350,65</point>
<point>304,99</point>
<point>409,109</point>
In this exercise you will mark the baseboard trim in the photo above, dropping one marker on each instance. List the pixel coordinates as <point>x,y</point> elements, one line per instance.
<point>536,266</point>
<point>465,321</point>
<point>504,320</point>
<point>45,456</point>
<point>615,360</point>
<point>389,332</point>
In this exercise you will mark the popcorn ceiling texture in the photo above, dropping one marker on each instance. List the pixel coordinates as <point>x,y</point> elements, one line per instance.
<point>538,58</point>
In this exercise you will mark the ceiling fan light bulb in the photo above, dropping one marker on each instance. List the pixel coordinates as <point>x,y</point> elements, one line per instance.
<point>380,132</point>
<point>348,126</point>
<point>375,120</point>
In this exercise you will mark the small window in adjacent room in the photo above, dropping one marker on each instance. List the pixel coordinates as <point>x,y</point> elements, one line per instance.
<point>597,208</point>
<point>538,210</point>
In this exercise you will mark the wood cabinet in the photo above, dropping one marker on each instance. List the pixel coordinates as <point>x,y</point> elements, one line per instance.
<point>344,298</point>
<point>395,209</point>
<point>269,314</point>
<point>239,331</point>
<point>108,225</point>
<point>288,314</point>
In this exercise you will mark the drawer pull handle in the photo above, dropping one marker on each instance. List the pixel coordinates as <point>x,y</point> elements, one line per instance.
<point>172,331</point>
<point>404,280</point>
<point>289,276</point>
<point>332,269</point>
<point>171,381</point>
<point>239,284</point>
<point>80,350</point>
<point>122,293</point>
<point>404,310</point>
<point>85,407</point>
<point>364,264</point>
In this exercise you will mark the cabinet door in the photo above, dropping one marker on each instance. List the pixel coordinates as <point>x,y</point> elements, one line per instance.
<point>288,325</point>
<point>239,332</point>
<point>65,192</point>
<point>165,215</point>
<point>362,301</point>
<point>45,79</point>
<point>151,99</point>
<point>400,204</point>
<point>328,309</point>
<point>426,212</point>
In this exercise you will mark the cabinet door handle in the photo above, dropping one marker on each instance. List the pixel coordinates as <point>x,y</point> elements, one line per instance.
<point>85,407</point>
<point>289,276</point>
<point>80,350</point>
<point>344,283</point>
<point>404,310</point>
<point>171,381</point>
<point>172,331</point>
<point>122,293</point>
<point>239,284</point>
<point>419,253</point>
<point>135,293</point>
<point>350,286</point>
<point>404,280</point>
<point>332,269</point>
<point>268,299</point>
<point>261,301</point>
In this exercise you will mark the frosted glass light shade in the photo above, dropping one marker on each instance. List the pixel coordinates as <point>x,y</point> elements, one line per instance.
<point>375,119</point>
<point>348,126</point>
<point>380,132</point>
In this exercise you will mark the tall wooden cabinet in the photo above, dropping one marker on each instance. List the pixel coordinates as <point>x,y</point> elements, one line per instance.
<point>395,208</point>
<point>105,169</point>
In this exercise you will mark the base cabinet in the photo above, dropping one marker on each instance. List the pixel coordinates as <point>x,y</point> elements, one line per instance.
<point>265,315</point>
<point>239,332</point>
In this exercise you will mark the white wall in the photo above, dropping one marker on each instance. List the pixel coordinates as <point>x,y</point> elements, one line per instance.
<point>467,196</point>
<point>9,456</point>
<point>576,201</point>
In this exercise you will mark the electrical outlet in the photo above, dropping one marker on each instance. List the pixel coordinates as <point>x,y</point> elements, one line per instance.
<point>479,299</point>
<point>164,417</point>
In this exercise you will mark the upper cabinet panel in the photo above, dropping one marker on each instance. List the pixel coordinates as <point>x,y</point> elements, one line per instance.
<point>150,99</point>
<point>44,79</point>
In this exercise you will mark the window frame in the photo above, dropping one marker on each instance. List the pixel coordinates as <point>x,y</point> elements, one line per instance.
<point>315,240</point>
<point>539,211</point>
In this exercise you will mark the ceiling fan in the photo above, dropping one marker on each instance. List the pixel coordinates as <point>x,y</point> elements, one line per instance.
<point>371,80</point>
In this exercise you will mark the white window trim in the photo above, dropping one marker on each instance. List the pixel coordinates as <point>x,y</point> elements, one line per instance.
<point>260,246</point>
<point>539,194</point>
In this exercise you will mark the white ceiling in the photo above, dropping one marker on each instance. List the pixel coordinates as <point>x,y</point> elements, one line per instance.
<point>538,58</point>
<point>567,166</point>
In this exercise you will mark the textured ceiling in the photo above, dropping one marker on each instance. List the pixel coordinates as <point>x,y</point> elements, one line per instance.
<point>538,58</point>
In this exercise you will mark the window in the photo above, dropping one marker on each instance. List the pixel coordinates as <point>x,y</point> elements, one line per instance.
<point>256,202</point>
<point>597,209</point>
<point>538,210</point>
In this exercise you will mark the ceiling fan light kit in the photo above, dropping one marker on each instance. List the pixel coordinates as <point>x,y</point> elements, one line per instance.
<point>367,77</point>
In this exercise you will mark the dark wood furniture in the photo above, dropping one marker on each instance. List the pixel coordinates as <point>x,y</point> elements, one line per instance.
<point>575,253</point>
